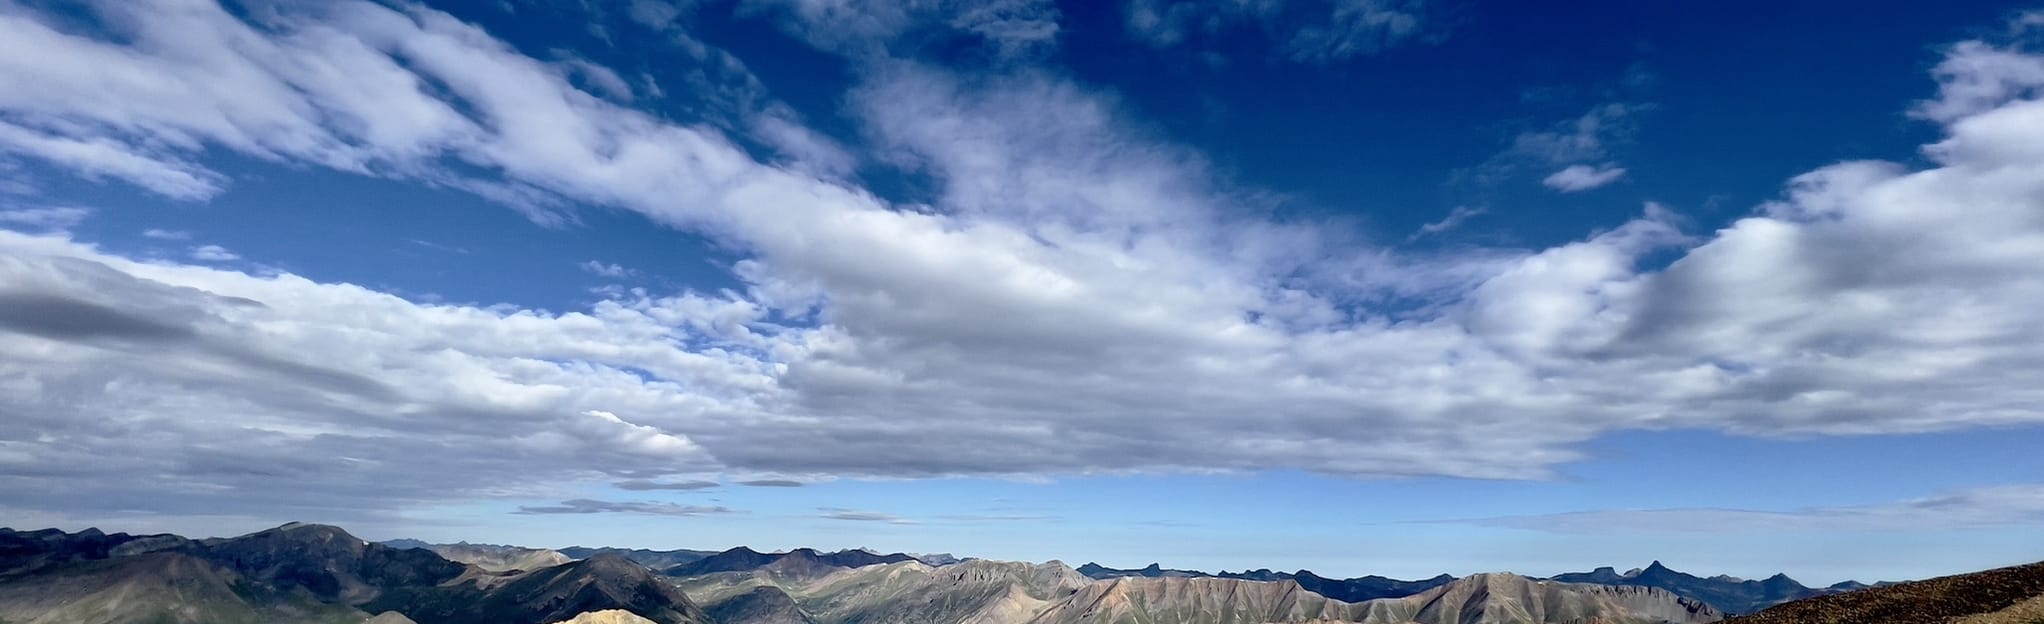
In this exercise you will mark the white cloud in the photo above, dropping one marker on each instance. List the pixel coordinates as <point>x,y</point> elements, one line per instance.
<point>868,27</point>
<point>213,253</point>
<point>44,217</point>
<point>1587,137</point>
<point>2010,505</point>
<point>161,234</point>
<point>658,14</point>
<point>590,506</point>
<point>103,158</point>
<point>1576,178</point>
<point>613,271</point>
<point>599,79</point>
<point>1314,31</point>
<point>1080,299</point>
<point>854,515</point>
<point>1976,76</point>
<point>1566,153</point>
<point>1455,219</point>
<point>1014,26</point>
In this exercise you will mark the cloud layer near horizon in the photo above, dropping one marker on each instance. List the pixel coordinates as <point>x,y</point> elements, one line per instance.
<point>1080,299</point>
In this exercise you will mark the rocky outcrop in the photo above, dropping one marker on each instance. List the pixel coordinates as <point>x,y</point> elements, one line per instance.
<point>613,616</point>
<point>1499,598</point>
<point>909,592</point>
<point>1478,599</point>
<point>1351,590</point>
<point>1142,600</point>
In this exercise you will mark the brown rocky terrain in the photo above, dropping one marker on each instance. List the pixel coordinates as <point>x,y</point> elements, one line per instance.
<point>1942,600</point>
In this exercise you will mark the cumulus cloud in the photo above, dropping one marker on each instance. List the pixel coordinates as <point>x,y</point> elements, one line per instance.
<point>2009,505</point>
<point>610,270</point>
<point>1315,31</point>
<point>1078,299</point>
<point>1576,178</point>
<point>589,506</point>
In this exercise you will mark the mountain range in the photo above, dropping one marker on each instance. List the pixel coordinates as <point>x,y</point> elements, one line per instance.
<point>303,573</point>
<point>315,574</point>
<point>496,557</point>
<point>1351,590</point>
<point>1727,594</point>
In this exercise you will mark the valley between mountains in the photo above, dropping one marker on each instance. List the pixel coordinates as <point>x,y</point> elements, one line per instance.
<point>315,574</point>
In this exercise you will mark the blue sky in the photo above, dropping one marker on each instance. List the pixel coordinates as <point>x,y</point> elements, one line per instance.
<point>1387,287</point>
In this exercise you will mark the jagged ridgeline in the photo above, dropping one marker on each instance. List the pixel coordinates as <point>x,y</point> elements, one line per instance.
<point>994,592</point>
<point>302,573</point>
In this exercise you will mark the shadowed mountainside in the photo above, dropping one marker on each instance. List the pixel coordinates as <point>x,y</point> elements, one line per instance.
<point>655,559</point>
<point>1983,595</point>
<point>1731,595</point>
<point>741,559</point>
<point>302,573</point>
<point>762,605</point>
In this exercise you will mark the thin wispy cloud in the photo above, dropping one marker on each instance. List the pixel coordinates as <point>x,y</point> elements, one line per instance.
<point>643,485</point>
<point>1455,219</point>
<point>2002,506</point>
<point>997,517</point>
<point>44,217</point>
<point>770,483</point>
<point>1576,178</point>
<point>1309,31</point>
<point>213,253</point>
<point>854,515</point>
<point>591,506</point>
